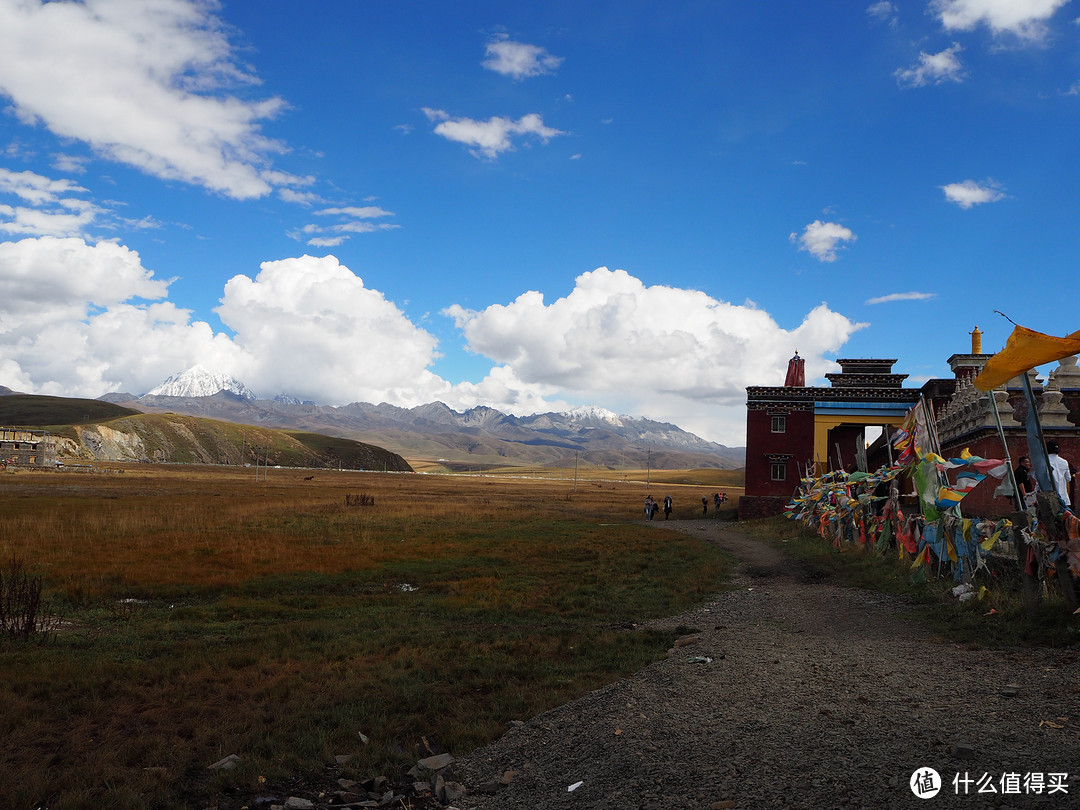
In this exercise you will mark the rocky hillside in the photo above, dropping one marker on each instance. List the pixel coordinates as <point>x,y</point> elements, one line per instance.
<point>90,430</point>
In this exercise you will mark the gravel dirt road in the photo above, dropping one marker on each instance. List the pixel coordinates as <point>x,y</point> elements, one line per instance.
<point>799,694</point>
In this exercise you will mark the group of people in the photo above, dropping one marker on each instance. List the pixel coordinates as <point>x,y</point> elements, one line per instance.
<point>718,498</point>
<point>1061,471</point>
<point>652,507</point>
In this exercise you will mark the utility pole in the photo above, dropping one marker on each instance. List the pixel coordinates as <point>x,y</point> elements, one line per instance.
<point>648,471</point>
<point>575,469</point>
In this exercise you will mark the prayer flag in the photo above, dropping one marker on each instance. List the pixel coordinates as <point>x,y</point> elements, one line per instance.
<point>1024,350</point>
<point>952,495</point>
<point>988,543</point>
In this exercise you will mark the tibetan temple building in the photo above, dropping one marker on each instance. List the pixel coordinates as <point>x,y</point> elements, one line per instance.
<point>794,429</point>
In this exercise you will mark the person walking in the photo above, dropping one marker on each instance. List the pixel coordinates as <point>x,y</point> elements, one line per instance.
<point>667,506</point>
<point>704,505</point>
<point>650,507</point>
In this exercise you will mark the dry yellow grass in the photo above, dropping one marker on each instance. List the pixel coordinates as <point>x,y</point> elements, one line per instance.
<point>147,526</point>
<point>209,614</point>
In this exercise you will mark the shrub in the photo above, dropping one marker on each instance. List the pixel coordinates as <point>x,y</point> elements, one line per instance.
<point>22,612</point>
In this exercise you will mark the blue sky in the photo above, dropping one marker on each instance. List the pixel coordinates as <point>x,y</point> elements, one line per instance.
<point>641,206</point>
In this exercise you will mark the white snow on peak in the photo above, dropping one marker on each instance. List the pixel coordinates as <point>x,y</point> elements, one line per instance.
<point>198,381</point>
<point>594,412</point>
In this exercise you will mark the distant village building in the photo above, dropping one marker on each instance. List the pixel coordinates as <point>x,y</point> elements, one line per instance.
<point>25,448</point>
<point>793,429</point>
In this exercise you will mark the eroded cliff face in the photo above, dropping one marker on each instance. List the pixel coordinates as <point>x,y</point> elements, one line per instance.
<point>103,443</point>
<point>142,442</point>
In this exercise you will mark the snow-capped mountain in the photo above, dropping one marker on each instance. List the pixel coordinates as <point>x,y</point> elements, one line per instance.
<point>480,433</point>
<point>593,414</point>
<point>199,381</point>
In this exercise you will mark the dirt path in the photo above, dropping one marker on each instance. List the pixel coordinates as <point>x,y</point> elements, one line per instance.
<point>798,694</point>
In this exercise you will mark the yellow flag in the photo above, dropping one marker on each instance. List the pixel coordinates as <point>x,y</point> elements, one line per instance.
<point>920,559</point>
<point>1024,350</point>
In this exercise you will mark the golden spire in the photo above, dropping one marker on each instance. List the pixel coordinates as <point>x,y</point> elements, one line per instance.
<point>976,341</point>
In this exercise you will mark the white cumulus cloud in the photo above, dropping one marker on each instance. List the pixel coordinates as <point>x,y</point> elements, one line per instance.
<point>488,139</point>
<point>822,240</point>
<point>969,193</point>
<point>660,351</point>
<point>70,313</point>
<point>81,319</point>
<point>519,59</point>
<point>309,326</point>
<point>48,277</point>
<point>1023,18</point>
<point>147,84</point>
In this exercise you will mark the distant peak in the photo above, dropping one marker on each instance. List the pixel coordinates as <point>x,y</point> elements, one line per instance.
<point>289,399</point>
<point>594,412</point>
<point>198,381</point>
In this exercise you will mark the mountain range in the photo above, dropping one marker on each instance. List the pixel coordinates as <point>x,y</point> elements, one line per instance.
<point>475,438</point>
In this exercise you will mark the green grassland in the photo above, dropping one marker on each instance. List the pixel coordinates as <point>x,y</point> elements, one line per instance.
<point>207,614</point>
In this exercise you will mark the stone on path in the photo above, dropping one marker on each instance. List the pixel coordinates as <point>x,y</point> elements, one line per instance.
<point>437,762</point>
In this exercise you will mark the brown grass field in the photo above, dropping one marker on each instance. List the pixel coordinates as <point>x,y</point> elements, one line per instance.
<point>205,613</point>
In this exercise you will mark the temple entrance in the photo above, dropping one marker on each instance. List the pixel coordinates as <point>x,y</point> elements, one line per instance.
<point>840,440</point>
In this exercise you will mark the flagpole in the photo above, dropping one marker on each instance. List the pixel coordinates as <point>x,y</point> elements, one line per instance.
<point>935,441</point>
<point>1008,459</point>
<point>928,411</point>
<point>1040,463</point>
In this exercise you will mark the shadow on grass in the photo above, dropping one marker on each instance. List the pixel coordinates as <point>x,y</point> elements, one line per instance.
<point>998,619</point>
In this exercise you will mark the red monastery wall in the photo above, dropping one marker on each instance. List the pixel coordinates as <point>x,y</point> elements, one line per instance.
<point>792,447</point>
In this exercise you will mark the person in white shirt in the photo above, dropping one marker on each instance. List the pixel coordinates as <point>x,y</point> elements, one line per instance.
<point>1061,471</point>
